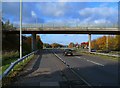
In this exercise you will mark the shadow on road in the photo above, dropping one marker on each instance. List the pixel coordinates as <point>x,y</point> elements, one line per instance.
<point>95,75</point>
<point>35,66</point>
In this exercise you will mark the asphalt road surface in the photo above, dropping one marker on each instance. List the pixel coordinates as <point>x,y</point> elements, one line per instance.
<point>47,70</point>
<point>96,70</point>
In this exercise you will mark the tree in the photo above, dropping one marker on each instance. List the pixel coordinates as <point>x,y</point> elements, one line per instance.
<point>8,26</point>
<point>46,45</point>
<point>39,42</point>
<point>56,45</point>
<point>101,43</point>
<point>94,45</point>
<point>117,43</point>
<point>71,45</point>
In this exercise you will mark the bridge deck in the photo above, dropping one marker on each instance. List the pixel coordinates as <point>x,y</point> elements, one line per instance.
<point>66,31</point>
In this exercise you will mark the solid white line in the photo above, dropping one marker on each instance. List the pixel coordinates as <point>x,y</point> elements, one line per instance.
<point>73,70</point>
<point>61,59</point>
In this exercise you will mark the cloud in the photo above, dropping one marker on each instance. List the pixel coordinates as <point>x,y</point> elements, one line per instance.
<point>52,9</point>
<point>102,11</point>
<point>64,0</point>
<point>62,13</point>
<point>73,22</point>
<point>61,0</point>
<point>11,11</point>
<point>103,14</point>
<point>33,14</point>
<point>101,21</point>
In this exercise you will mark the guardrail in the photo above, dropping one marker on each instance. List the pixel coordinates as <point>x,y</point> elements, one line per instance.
<point>10,68</point>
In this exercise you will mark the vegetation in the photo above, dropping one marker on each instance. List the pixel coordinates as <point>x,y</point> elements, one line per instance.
<point>84,52</point>
<point>101,43</point>
<point>46,45</point>
<point>7,80</point>
<point>11,48</point>
<point>7,58</point>
<point>56,45</point>
<point>101,56</point>
<point>7,26</point>
<point>71,45</point>
<point>10,45</point>
<point>27,43</point>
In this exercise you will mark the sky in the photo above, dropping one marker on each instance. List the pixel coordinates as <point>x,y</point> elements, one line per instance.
<point>65,13</point>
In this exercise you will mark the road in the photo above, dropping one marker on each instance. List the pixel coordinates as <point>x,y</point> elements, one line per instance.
<point>48,70</point>
<point>95,70</point>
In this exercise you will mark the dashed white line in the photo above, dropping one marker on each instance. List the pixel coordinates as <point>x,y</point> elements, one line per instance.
<point>95,62</point>
<point>90,61</point>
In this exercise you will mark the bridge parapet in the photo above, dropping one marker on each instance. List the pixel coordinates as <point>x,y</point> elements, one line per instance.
<point>49,25</point>
<point>76,29</point>
<point>68,29</point>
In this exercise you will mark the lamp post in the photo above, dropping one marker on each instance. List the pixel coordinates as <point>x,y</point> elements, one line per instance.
<point>106,39</point>
<point>107,42</point>
<point>36,20</point>
<point>20,28</point>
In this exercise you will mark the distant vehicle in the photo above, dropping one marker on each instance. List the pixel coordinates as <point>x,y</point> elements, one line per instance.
<point>68,52</point>
<point>93,50</point>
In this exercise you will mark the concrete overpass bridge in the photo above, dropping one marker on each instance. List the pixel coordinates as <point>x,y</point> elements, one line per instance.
<point>61,29</point>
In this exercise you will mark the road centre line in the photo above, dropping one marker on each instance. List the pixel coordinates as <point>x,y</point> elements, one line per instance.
<point>95,62</point>
<point>90,61</point>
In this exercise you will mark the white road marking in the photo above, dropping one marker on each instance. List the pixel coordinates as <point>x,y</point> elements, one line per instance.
<point>90,61</point>
<point>95,62</point>
<point>78,57</point>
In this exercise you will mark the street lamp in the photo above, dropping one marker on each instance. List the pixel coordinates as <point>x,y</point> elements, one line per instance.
<point>20,28</point>
<point>106,39</point>
<point>36,20</point>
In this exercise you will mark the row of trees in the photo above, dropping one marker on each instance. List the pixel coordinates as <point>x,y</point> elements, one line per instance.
<point>53,45</point>
<point>107,43</point>
<point>111,43</point>
<point>7,25</point>
<point>27,43</point>
<point>10,42</point>
<point>71,45</point>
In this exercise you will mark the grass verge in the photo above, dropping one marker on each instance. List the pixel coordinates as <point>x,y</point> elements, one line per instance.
<point>9,57</point>
<point>19,67</point>
<point>101,56</point>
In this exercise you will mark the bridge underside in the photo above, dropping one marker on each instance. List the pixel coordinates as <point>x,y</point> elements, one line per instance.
<point>63,32</point>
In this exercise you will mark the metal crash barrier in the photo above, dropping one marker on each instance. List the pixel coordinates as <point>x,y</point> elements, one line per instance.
<point>10,68</point>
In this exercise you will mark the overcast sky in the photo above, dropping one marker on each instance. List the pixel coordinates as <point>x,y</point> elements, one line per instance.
<point>73,13</point>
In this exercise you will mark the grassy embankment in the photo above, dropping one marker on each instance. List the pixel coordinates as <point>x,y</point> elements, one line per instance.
<point>19,67</point>
<point>8,58</point>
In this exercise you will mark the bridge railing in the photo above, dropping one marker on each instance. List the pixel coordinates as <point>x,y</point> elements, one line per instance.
<point>10,68</point>
<point>50,25</point>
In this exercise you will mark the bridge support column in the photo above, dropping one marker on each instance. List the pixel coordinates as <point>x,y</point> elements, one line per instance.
<point>33,42</point>
<point>89,37</point>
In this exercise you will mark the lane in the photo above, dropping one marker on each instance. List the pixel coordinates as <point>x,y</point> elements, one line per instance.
<point>109,66</point>
<point>96,74</point>
<point>90,61</point>
<point>41,71</point>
